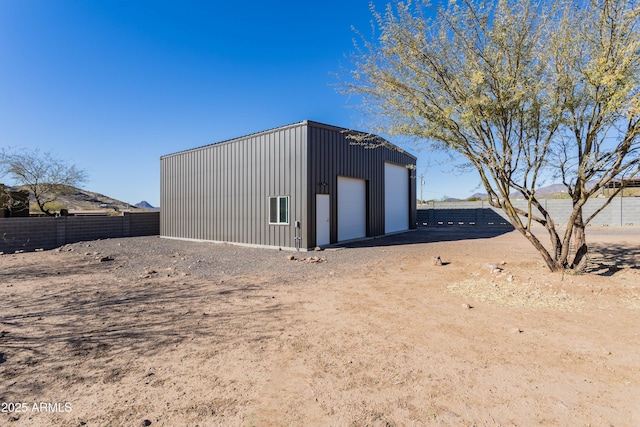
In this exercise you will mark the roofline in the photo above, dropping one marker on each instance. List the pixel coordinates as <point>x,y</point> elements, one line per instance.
<point>227,141</point>
<point>310,123</point>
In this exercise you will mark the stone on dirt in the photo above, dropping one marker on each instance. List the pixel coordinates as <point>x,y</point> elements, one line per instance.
<point>492,267</point>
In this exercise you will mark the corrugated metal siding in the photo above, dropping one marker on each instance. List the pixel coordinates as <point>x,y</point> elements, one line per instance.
<point>221,192</point>
<point>331,155</point>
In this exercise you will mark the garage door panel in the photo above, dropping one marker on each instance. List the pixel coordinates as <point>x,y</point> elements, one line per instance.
<point>352,212</point>
<point>396,198</point>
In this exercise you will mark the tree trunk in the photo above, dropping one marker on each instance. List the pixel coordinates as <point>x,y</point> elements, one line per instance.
<point>556,243</point>
<point>42,208</point>
<point>548,259</point>
<point>580,243</point>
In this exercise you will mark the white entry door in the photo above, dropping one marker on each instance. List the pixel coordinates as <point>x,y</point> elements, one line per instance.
<point>396,198</point>
<point>352,208</point>
<point>323,224</point>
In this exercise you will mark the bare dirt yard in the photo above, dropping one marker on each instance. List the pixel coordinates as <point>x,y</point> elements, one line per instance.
<point>149,331</point>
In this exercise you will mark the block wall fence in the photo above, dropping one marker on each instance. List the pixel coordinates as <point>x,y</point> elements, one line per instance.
<point>29,234</point>
<point>622,211</point>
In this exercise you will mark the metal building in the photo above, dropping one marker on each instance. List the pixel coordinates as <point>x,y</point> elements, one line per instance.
<point>296,186</point>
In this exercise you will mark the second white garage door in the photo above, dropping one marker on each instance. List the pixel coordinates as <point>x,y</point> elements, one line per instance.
<point>396,198</point>
<point>352,208</point>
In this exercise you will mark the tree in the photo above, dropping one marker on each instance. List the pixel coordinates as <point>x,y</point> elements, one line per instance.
<point>13,203</point>
<point>45,176</point>
<point>522,90</point>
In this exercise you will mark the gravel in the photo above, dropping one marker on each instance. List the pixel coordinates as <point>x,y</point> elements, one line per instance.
<point>146,256</point>
<point>140,256</point>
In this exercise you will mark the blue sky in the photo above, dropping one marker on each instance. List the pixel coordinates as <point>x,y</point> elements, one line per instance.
<point>111,85</point>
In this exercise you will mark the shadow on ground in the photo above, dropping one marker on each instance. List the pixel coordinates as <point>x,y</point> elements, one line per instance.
<point>47,333</point>
<point>607,260</point>
<point>430,235</point>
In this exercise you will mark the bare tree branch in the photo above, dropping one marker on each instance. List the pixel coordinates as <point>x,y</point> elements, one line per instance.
<point>524,90</point>
<point>45,176</point>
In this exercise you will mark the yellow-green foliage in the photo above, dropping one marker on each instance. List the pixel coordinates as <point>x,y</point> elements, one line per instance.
<point>50,206</point>
<point>518,90</point>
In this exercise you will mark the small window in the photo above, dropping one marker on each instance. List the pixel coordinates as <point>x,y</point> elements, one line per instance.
<point>279,210</point>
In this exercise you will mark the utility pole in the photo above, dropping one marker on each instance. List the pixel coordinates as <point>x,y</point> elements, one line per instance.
<point>421,185</point>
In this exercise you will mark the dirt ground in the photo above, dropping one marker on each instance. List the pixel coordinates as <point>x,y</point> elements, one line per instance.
<point>150,331</point>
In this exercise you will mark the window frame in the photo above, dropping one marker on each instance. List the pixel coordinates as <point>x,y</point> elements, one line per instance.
<point>279,210</point>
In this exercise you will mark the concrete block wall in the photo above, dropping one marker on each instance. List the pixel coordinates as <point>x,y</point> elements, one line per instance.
<point>29,234</point>
<point>80,228</point>
<point>625,211</point>
<point>622,211</point>
<point>147,224</point>
<point>461,214</point>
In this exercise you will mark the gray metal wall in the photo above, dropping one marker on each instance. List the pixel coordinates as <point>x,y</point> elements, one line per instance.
<point>331,155</point>
<point>221,192</point>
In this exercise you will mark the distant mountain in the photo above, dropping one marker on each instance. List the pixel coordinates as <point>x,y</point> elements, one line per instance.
<point>145,205</point>
<point>546,192</point>
<point>476,196</point>
<point>552,189</point>
<point>79,199</point>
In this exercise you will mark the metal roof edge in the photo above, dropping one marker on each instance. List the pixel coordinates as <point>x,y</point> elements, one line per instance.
<point>231,140</point>
<point>343,129</point>
<point>309,123</point>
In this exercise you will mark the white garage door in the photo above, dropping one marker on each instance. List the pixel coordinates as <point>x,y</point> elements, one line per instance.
<point>352,208</point>
<point>396,198</point>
